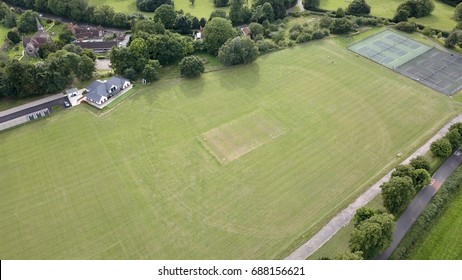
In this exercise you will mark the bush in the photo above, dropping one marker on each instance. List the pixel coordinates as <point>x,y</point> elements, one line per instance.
<point>358,7</point>
<point>238,51</point>
<point>405,26</point>
<point>341,26</point>
<point>311,4</point>
<point>420,162</point>
<point>191,66</point>
<point>441,148</point>
<point>266,46</point>
<point>304,37</point>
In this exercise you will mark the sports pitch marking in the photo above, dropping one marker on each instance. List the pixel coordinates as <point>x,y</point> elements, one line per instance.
<point>434,68</point>
<point>232,140</point>
<point>389,49</point>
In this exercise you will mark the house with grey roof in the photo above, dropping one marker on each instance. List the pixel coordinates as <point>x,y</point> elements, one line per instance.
<point>100,91</point>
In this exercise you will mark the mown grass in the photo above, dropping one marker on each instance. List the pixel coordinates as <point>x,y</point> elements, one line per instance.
<point>3,32</point>
<point>136,183</point>
<point>440,18</point>
<point>201,8</point>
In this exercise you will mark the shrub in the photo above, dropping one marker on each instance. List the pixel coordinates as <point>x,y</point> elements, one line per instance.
<point>341,26</point>
<point>304,37</point>
<point>358,7</point>
<point>238,51</point>
<point>441,148</point>
<point>405,26</point>
<point>191,66</point>
<point>266,45</point>
<point>311,4</point>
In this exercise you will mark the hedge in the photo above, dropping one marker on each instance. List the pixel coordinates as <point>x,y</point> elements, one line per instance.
<point>434,210</point>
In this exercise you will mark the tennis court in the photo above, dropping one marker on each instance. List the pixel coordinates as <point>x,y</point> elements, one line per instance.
<point>439,70</point>
<point>389,49</point>
<point>434,68</point>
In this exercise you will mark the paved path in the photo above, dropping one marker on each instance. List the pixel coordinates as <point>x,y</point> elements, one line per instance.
<point>413,211</point>
<point>345,216</point>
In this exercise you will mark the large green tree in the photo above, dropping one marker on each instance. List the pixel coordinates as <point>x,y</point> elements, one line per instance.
<point>27,22</point>
<point>358,7</point>
<point>458,12</point>
<point>217,32</point>
<point>441,148</point>
<point>166,14</point>
<point>373,235</point>
<point>311,4</point>
<point>151,5</point>
<point>397,194</point>
<point>419,162</point>
<point>191,66</point>
<point>239,50</point>
<point>169,47</point>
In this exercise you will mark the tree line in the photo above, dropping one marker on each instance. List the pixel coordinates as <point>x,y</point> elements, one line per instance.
<point>54,74</point>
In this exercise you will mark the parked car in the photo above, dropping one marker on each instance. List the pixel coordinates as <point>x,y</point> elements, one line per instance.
<point>66,104</point>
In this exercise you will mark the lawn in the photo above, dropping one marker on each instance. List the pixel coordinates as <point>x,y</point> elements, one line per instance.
<point>136,182</point>
<point>443,241</point>
<point>3,32</point>
<point>201,8</point>
<point>440,18</point>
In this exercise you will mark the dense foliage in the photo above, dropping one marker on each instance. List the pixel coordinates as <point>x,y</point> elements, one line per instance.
<point>191,66</point>
<point>414,8</point>
<point>441,148</point>
<point>217,31</point>
<point>397,194</point>
<point>239,50</point>
<point>59,70</point>
<point>358,7</point>
<point>429,216</point>
<point>151,5</point>
<point>372,235</point>
<point>311,4</point>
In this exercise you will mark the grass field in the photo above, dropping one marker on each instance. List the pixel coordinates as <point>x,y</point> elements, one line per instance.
<point>3,32</point>
<point>201,8</point>
<point>135,182</point>
<point>443,241</point>
<point>440,18</point>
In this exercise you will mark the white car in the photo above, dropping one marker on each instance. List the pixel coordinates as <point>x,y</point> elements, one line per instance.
<point>66,104</point>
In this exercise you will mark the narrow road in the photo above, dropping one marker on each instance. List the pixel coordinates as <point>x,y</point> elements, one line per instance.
<point>413,211</point>
<point>345,216</point>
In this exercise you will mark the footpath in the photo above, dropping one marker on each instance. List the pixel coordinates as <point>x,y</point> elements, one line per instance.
<point>346,215</point>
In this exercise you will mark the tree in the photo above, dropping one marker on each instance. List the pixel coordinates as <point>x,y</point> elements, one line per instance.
<point>358,7</point>
<point>220,3</point>
<point>236,13</point>
<point>417,8</point>
<point>341,26</point>
<point>124,58</point>
<point>85,68</point>
<point>182,24</point>
<point>311,4</point>
<point>151,71</point>
<point>373,235</point>
<point>66,36</point>
<point>148,26</point>
<point>217,31</point>
<point>279,7</point>
<point>363,214</point>
<point>239,50</point>
<point>454,38</point>
<point>166,14</point>
<point>217,13</point>
<point>151,5</point>
<point>27,22</point>
<point>129,73</point>
<point>340,13</point>
<point>397,193</point>
<point>419,162</point>
<point>104,15</point>
<point>169,47</point>
<point>454,138</point>
<point>13,36</point>
<point>10,20</point>
<point>441,148</point>
<point>191,66</point>
<point>401,15</point>
<point>458,12</point>
<point>256,29</point>
<point>422,178</point>
<point>404,170</point>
